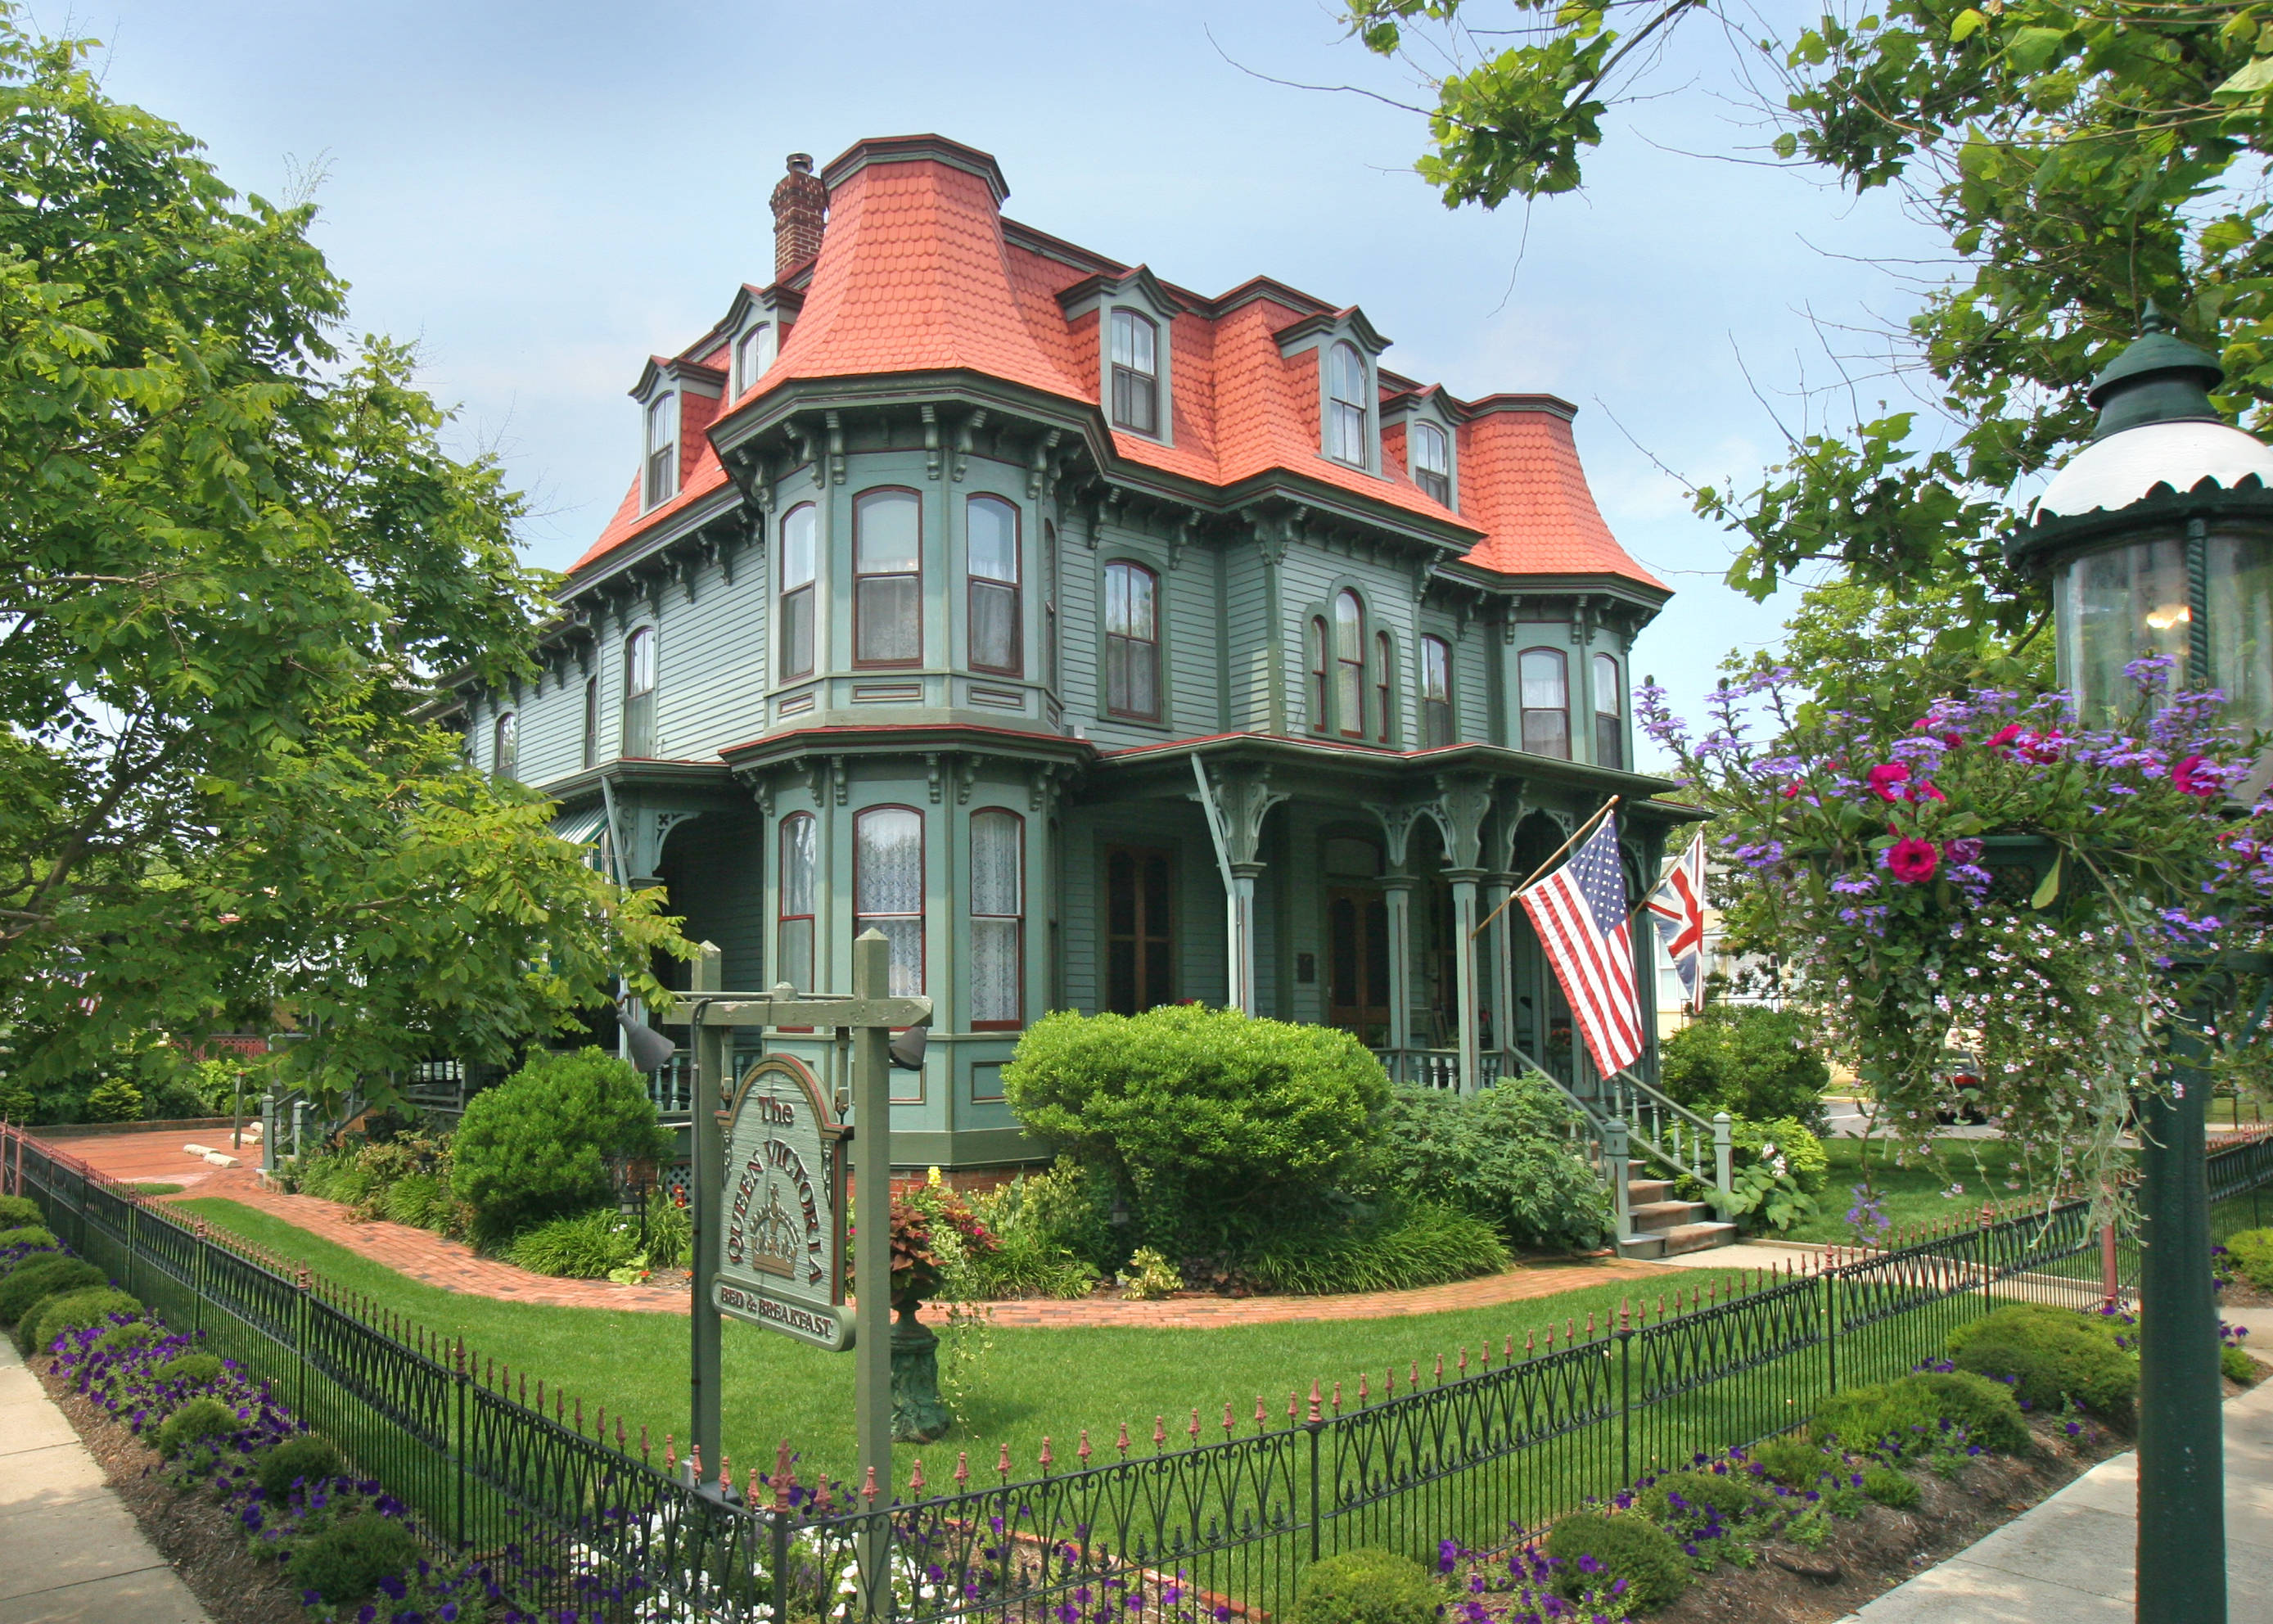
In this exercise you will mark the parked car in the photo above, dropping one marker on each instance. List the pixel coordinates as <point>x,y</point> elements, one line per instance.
<point>1961,1093</point>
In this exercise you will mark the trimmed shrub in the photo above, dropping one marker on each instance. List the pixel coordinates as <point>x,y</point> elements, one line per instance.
<point>1889,1487</point>
<point>345,1562</point>
<point>26,1235</point>
<point>16,1211</point>
<point>199,1421</point>
<point>309,1457</point>
<point>71,1311</point>
<point>115,1098</point>
<point>1749,1060</point>
<point>124,1338</point>
<point>582,1248</point>
<point>1905,1416</point>
<point>25,1287</point>
<point>1502,1155</point>
<point>1403,1248</point>
<point>1631,1548</point>
<point>193,1370</point>
<point>416,1198</point>
<point>536,1145</point>
<point>1208,1122</point>
<point>2051,1355</point>
<point>1794,1462</point>
<point>1728,1497</point>
<point>2236,1366</point>
<point>1367,1587</point>
<point>2252,1256</point>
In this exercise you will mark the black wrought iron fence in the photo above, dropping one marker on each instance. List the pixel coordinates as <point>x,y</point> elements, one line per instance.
<point>1197,1522</point>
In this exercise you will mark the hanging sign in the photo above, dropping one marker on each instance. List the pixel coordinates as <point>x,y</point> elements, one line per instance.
<point>782,1257</point>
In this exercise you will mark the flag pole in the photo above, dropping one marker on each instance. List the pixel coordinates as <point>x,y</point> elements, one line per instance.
<point>1584,829</point>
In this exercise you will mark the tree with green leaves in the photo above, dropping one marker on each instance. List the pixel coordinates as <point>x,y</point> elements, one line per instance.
<point>234,553</point>
<point>2082,160</point>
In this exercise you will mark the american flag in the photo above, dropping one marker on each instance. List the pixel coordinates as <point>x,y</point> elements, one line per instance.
<point>1676,908</point>
<point>1580,911</point>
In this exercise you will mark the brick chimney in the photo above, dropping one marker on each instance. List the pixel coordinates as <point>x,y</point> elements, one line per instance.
<point>801,202</point>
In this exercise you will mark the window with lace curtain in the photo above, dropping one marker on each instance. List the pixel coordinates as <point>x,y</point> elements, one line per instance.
<point>888,889</point>
<point>794,935</point>
<point>998,920</point>
<point>1544,677</point>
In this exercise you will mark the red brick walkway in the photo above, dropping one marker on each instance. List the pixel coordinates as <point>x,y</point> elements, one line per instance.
<point>454,1266</point>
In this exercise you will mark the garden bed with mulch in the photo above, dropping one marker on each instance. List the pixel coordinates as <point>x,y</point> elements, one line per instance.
<point>192,1530</point>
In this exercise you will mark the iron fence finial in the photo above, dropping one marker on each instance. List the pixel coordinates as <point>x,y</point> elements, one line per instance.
<point>916,1480</point>
<point>1082,1453</point>
<point>1121,1442</point>
<point>1315,1396</point>
<point>962,1469</point>
<point>868,1488</point>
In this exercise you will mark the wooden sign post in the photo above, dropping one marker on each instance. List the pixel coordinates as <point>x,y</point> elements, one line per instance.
<point>769,1225</point>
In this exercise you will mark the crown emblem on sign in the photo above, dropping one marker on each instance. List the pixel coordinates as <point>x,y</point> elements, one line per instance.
<point>774,1237</point>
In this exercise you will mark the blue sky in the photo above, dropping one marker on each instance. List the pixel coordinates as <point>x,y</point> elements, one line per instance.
<point>543,194</point>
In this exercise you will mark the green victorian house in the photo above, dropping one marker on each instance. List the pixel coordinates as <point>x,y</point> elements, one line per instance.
<point>1102,643</point>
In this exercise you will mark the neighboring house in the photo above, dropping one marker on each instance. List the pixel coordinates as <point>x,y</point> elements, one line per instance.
<point>1101,642</point>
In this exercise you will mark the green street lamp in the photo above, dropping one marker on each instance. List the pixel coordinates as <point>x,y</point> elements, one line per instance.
<point>2158,538</point>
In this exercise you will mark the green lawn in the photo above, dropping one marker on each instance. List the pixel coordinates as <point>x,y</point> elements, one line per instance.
<point>1961,1174</point>
<point>1027,1383</point>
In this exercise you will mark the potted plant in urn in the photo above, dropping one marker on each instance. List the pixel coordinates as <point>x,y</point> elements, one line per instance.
<point>930,1224</point>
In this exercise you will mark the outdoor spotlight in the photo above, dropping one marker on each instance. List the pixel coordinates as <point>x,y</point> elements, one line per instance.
<point>651,1051</point>
<point>908,1048</point>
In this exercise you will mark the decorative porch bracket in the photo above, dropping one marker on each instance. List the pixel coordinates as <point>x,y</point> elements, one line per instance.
<point>1235,801</point>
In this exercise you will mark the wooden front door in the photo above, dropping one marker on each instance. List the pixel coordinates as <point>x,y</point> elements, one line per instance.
<point>1140,941</point>
<point>1357,963</point>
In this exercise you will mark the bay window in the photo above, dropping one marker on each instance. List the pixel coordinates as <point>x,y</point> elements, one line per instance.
<point>888,889</point>
<point>793,926</point>
<point>1544,676</point>
<point>991,557</point>
<point>887,578</point>
<point>1609,714</point>
<point>798,530</point>
<point>998,922</point>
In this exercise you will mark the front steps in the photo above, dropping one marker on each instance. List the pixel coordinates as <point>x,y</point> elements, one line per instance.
<point>1665,1227</point>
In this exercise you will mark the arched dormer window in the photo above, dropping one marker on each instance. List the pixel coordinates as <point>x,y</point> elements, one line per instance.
<point>753,352</point>
<point>1432,462</point>
<point>1132,642</point>
<point>991,560</point>
<point>662,448</point>
<point>1349,664</point>
<point>1136,373</point>
<point>1314,654</point>
<point>1436,693</point>
<point>1609,714</point>
<point>1544,677</point>
<point>505,747</point>
<point>638,693</point>
<point>1349,415</point>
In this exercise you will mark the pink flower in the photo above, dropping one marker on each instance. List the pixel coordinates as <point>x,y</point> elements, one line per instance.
<point>1884,776</point>
<point>2004,737</point>
<point>1923,790</point>
<point>1952,741</point>
<point>1791,791</point>
<point>2043,747</point>
<point>1913,862</point>
<point>2193,775</point>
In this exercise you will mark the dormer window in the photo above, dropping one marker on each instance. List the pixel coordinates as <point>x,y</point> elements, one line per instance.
<point>1136,373</point>
<point>1432,462</point>
<point>662,448</point>
<point>1348,418</point>
<point>753,352</point>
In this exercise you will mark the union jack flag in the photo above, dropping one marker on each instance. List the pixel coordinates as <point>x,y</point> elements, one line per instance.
<point>1580,911</point>
<point>1676,908</point>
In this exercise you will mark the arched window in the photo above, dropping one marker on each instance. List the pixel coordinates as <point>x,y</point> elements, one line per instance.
<point>505,747</point>
<point>794,935</point>
<point>662,448</point>
<point>1381,683</point>
<point>1132,642</point>
<point>638,693</point>
<point>1349,664</point>
<point>888,889</point>
<point>591,721</point>
<point>1432,462</point>
<point>798,529</point>
<point>1347,414</point>
<point>887,578</point>
<point>1315,658</point>
<point>991,549</point>
<point>1609,714</point>
<point>1136,373</point>
<point>753,352</point>
<point>1436,693</point>
<point>1544,678</point>
<point>998,920</point>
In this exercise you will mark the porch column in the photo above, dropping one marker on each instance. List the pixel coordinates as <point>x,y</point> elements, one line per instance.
<point>1501,977</point>
<point>1235,801</point>
<point>1397,893</point>
<point>1240,900</point>
<point>1464,974</point>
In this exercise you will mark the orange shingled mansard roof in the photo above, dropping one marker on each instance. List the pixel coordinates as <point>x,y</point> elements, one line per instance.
<point>917,273</point>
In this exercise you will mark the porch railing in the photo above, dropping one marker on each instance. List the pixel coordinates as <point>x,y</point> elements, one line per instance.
<point>1433,1068</point>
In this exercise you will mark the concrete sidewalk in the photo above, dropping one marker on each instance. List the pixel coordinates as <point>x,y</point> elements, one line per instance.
<point>70,1550</point>
<point>2072,1558</point>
